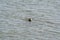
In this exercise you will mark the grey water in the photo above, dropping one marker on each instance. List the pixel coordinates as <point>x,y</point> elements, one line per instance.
<point>14,24</point>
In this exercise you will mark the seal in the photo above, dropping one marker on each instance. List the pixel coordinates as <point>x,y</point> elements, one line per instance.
<point>29,19</point>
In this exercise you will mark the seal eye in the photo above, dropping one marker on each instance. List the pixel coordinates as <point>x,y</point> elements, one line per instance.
<point>29,19</point>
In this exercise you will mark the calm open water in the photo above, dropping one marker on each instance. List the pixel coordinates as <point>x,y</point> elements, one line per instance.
<point>45,23</point>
